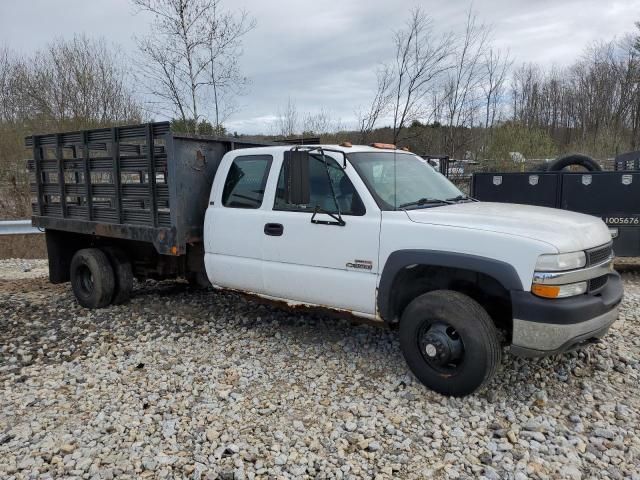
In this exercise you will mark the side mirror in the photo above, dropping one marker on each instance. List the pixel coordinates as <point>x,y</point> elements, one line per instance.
<point>296,174</point>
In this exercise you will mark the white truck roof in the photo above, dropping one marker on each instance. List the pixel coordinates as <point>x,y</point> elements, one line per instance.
<point>352,149</point>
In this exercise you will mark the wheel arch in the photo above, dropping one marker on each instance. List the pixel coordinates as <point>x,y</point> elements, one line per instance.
<point>408,273</point>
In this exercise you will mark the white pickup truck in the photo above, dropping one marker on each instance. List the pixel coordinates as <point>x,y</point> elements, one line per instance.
<point>376,232</point>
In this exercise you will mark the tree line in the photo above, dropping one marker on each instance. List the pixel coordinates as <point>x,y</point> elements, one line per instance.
<point>456,94</point>
<point>593,104</point>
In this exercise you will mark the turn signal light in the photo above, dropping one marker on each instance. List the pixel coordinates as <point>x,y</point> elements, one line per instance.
<point>559,291</point>
<point>384,145</point>
<point>547,291</point>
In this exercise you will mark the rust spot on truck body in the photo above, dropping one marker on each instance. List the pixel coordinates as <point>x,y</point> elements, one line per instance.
<point>306,309</point>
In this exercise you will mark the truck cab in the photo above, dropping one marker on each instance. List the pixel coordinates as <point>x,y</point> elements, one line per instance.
<point>376,232</point>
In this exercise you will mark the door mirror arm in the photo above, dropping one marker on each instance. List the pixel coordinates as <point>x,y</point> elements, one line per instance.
<point>322,150</point>
<point>300,155</point>
<point>338,218</point>
<point>338,221</point>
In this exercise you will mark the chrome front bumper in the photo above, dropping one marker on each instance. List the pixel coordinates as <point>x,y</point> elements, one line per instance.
<point>532,339</point>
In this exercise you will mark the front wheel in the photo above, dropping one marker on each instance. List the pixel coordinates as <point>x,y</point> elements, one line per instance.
<point>449,342</point>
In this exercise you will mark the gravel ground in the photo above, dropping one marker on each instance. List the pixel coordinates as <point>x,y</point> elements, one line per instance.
<point>19,269</point>
<point>181,383</point>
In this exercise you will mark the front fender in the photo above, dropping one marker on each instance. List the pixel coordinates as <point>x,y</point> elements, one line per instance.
<point>501,271</point>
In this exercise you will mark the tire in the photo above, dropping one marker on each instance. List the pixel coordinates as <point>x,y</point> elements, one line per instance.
<point>123,274</point>
<point>450,318</point>
<point>541,167</point>
<point>574,159</point>
<point>92,278</point>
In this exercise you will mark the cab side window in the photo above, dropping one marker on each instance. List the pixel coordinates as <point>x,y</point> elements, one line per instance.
<point>246,180</point>
<point>348,200</point>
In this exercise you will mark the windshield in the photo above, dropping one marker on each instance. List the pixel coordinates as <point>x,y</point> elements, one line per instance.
<point>401,180</point>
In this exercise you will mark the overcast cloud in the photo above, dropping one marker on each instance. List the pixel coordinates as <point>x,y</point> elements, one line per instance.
<point>324,54</point>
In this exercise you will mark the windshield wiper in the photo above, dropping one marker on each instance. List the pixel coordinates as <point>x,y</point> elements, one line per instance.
<point>426,201</point>
<point>460,198</point>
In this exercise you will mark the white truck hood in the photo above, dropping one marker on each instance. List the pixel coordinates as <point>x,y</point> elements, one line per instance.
<point>566,231</point>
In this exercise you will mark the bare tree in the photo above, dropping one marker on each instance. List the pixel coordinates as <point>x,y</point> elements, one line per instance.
<point>287,120</point>
<point>176,53</point>
<point>193,50</point>
<point>77,82</point>
<point>7,69</point>
<point>224,43</point>
<point>318,123</point>
<point>321,123</point>
<point>497,65</point>
<point>632,46</point>
<point>380,104</point>
<point>421,58</point>
<point>461,88</point>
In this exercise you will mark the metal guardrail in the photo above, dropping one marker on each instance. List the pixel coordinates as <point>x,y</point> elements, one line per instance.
<point>17,227</point>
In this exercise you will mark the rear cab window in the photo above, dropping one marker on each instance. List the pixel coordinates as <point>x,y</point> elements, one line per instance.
<point>246,180</point>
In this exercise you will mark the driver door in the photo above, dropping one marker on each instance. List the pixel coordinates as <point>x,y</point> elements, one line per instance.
<point>323,263</point>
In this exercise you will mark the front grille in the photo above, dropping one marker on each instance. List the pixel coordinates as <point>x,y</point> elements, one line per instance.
<point>599,254</point>
<point>597,283</point>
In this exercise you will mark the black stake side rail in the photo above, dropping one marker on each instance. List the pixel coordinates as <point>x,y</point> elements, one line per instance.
<point>138,182</point>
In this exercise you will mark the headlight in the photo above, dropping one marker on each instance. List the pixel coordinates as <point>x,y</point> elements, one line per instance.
<point>561,261</point>
<point>559,291</point>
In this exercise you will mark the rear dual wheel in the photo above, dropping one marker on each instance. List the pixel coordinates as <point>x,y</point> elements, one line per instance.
<point>100,277</point>
<point>449,342</point>
<point>123,274</point>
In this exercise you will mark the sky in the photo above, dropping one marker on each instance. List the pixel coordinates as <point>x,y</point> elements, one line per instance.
<point>323,55</point>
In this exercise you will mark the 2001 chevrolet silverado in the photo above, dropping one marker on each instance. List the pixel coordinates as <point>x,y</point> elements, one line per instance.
<point>369,230</point>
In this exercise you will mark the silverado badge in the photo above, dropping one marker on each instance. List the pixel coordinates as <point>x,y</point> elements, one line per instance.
<point>360,264</point>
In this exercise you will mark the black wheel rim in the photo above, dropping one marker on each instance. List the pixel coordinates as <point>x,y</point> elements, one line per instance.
<point>441,347</point>
<point>85,279</point>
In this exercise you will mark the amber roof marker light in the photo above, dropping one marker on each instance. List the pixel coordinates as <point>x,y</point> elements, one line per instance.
<point>346,144</point>
<point>387,146</point>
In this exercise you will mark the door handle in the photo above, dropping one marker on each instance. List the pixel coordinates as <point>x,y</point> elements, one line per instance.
<point>274,229</point>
